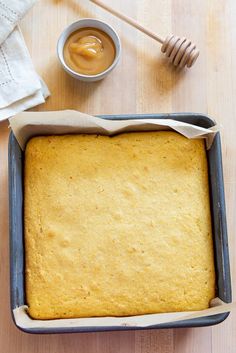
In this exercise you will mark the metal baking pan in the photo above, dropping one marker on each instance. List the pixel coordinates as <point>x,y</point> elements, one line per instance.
<point>16,161</point>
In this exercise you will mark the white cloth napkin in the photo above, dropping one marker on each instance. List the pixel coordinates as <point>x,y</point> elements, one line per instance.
<point>20,86</point>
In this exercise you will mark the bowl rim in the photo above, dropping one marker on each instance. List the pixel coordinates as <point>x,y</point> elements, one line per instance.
<point>65,35</point>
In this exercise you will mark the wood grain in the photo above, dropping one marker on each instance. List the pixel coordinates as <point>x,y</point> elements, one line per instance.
<point>142,83</point>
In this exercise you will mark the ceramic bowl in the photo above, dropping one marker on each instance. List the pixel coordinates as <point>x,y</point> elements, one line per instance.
<point>93,23</point>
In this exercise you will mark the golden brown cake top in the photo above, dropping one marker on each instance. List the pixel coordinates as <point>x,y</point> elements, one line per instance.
<point>117,226</point>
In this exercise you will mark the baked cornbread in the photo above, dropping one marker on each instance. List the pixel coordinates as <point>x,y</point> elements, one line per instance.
<point>117,226</point>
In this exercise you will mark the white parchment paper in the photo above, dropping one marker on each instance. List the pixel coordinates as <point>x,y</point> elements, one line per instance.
<point>29,124</point>
<point>23,320</point>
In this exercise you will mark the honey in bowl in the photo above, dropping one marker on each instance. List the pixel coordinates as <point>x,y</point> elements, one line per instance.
<point>89,51</point>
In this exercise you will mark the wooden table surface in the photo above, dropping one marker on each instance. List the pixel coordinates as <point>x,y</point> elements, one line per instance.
<point>142,83</point>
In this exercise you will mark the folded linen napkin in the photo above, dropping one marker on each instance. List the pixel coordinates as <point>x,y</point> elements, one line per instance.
<point>20,86</point>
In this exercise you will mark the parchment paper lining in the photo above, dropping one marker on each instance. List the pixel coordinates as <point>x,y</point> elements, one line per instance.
<point>23,320</point>
<point>29,124</point>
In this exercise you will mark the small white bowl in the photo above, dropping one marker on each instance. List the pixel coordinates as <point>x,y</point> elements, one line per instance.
<point>93,23</point>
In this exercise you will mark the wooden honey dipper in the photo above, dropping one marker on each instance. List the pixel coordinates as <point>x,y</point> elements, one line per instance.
<point>180,51</point>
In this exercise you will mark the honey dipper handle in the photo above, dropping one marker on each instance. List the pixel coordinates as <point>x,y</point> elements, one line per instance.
<point>128,20</point>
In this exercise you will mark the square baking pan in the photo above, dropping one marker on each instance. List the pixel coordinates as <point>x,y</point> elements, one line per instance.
<point>16,162</point>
